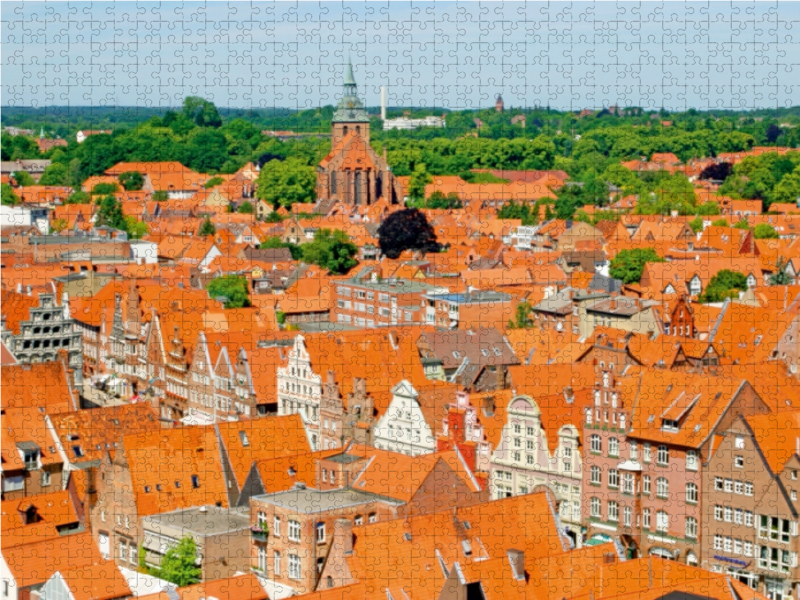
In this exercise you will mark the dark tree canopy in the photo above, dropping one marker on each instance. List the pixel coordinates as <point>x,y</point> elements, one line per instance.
<point>132,181</point>
<point>719,171</point>
<point>406,229</point>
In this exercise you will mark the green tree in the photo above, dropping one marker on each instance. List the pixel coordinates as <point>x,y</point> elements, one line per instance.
<point>8,197</point>
<point>136,229</point>
<point>160,196</point>
<point>105,188</point>
<point>725,284</point>
<point>765,231</point>
<point>23,178</point>
<point>742,224</point>
<point>439,199</point>
<point>781,275</point>
<point>416,184</point>
<point>284,183</point>
<point>213,182</point>
<point>406,229</point>
<point>79,198</point>
<point>522,317</point>
<point>276,242</point>
<point>273,217</point>
<point>110,213</point>
<point>201,111</point>
<point>246,208</point>
<point>55,174</point>
<point>132,181</point>
<point>696,224</point>
<point>628,265</point>
<point>720,223</point>
<point>179,565</point>
<point>58,225</point>
<point>233,288</point>
<point>331,250</point>
<point>207,228</point>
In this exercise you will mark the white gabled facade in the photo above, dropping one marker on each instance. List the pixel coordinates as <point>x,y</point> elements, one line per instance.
<point>403,427</point>
<point>300,390</point>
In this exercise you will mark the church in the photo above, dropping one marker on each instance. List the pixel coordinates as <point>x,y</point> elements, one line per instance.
<point>353,173</point>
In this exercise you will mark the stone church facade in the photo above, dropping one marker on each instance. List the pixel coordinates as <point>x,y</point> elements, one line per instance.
<point>353,173</point>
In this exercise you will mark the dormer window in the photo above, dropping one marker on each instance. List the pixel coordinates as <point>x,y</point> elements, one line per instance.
<point>669,425</point>
<point>243,438</point>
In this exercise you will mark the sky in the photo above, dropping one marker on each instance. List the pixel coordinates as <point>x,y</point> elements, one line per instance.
<point>455,55</point>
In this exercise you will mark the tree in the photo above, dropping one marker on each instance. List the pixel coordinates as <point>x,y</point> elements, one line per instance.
<point>276,242</point>
<point>406,229</point>
<point>58,225</point>
<point>628,265</point>
<point>765,231</point>
<point>160,196</point>
<point>273,217</point>
<point>23,178</point>
<point>213,182</point>
<point>55,174</point>
<point>8,197</point>
<point>417,182</point>
<point>720,223</point>
<point>725,284</point>
<point>286,183</point>
<point>246,208</point>
<point>79,198</point>
<point>136,229</point>
<point>201,111</point>
<point>207,228</point>
<point>742,224</point>
<point>179,565</point>
<point>438,199</point>
<point>773,133</point>
<point>105,188</point>
<point>522,317</point>
<point>110,214</point>
<point>132,181</point>
<point>696,224</point>
<point>331,250</point>
<point>781,275</point>
<point>231,287</point>
<point>717,171</point>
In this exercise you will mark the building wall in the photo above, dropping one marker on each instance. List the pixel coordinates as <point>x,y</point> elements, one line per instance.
<point>403,428</point>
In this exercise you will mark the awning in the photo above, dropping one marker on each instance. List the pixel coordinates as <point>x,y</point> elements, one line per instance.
<point>597,539</point>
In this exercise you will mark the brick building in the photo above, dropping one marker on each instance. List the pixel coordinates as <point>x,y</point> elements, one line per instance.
<point>374,304</point>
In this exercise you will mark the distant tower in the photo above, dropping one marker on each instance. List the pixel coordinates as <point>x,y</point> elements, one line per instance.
<point>498,106</point>
<point>383,103</point>
<point>350,114</point>
<point>41,133</point>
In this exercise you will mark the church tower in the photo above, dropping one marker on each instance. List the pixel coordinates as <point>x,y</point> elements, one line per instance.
<point>350,113</point>
<point>353,173</point>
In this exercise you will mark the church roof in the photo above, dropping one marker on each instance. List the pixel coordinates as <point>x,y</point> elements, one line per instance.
<point>349,79</point>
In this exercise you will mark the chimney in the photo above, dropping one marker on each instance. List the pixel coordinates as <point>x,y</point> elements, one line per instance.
<point>383,102</point>
<point>517,560</point>
<point>343,535</point>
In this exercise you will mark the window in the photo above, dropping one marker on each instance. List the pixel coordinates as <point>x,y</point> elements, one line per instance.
<point>195,481</point>
<point>662,521</point>
<point>748,518</point>
<point>359,520</point>
<point>748,489</point>
<point>613,447</point>
<point>634,450</point>
<point>728,485</point>
<point>123,550</point>
<point>46,476</point>
<point>626,516</point>
<point>691,493</point>
<point>691,460</point>
<point>276,526</point>
<point>647,453</point>
<point>646,485</point>
<point>594,507</point>
<point>718,513</point>
<point>627,483</point>
<point>718,484</point>
<point>133,554</point>
<point>320,533</point>
<point>728,514</point>
<point>276,563</point>
<point>737,516</point>
<point>774,528</point>
<point>738,462</point>
<point>717,542</point>
<point>691,528</point>
<point>662,457</point>
<point>595,444</point>
<point>646,518</point>
<point>294,531</point>
<point>373,518</point>
<point>662,488</point>
<point>595,476</point>
<point>613,478</point>
<point>738,487</point>
<point>294,566</point>
<point>613,511</point>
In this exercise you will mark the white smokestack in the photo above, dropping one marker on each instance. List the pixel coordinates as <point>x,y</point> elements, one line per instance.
<point>383,102</point>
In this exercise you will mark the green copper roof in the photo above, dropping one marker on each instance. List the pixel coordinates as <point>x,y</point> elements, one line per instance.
<point>348,74</point>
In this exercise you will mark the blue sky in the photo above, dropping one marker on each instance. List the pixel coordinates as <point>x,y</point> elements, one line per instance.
<point>451,54</point>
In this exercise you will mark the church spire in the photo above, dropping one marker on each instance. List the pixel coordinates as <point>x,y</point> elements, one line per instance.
<point>348,74</point>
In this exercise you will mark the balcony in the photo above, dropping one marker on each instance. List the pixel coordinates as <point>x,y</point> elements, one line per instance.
<point>259,535</point>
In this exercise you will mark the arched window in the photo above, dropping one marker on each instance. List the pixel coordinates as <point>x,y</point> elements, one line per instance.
<point>344,131</point>
<point>662,487</point>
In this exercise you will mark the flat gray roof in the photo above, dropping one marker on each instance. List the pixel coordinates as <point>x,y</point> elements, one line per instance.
<point>201,520</point>
<point>310,501</point>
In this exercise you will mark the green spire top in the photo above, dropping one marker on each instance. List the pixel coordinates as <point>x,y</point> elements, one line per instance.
<point>348,74</point>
